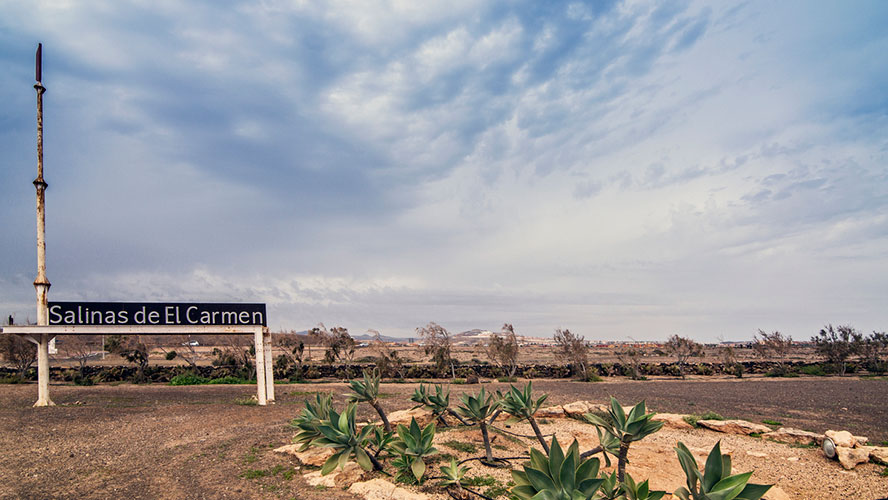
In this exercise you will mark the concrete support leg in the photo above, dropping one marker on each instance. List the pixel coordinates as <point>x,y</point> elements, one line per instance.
<point>261,387</point>
<point>43,371</point>
<point>269,366</point>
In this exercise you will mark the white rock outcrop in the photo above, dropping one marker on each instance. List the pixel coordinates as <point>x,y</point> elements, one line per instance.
<point>734,426</point>
<point>380,489</point>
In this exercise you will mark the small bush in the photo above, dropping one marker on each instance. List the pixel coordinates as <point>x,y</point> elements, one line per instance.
<point>247,401</point>
<point>591,376</point>
<point>813,370</point>
<point>188,379</point>
<point>171,355</point>
<point>13,379</point>
<point>229,380</point>
<point>507,379</point>
<point>458,381</point>
<point>710,415</point>
<point>771,422</point>
<point>84,381</point>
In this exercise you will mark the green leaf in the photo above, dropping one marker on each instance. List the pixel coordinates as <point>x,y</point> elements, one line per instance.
<point>418,468</point>
<point>538,460</point>
<point>588,469</point>
<point>682,493</point>
<point>363,459</point>
<point>567,474</point>
<point>330,464</point>
<point>556,456</point>
<point>713,468</point>
<point>539,479</point>
<point>753,491</point>
<point>524,491</point>
<point>729,487</point>
<point>520,477</point>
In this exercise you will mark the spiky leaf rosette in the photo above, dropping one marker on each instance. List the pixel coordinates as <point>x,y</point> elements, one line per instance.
<point>309,421</point>
<point>453,474</point>
<point>478,408</point>
<point>626,428</point>
<point>367,390</point>
<point>437,402</point>
<point>519,402</point>
<point>716,481</point>
<point>640,491</point>
<point>340,433</point>
<point>413,445</point>
<point>559,476</point>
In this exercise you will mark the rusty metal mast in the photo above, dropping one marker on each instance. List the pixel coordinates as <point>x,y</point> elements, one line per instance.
<point>41,284</point>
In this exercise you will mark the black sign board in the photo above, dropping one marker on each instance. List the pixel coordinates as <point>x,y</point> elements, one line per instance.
<point>156,314</point>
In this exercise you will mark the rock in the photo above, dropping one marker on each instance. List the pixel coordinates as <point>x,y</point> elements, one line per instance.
<point>734,426</point>
<point>845,438</point>
<point>852,457</point>
<point>756,454</point>
<point>794,436</point>
<point>878,453</point>
<point>380,489</point>
<point>550,412</point>
<point>578,408</point>
<point>472,379</point>
<point>341,478</point>
<point>672,420</point>
<point>775,493</point>
<point>315,456</point>
<point>422,416</point>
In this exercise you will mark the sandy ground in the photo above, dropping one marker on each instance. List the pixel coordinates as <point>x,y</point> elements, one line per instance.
<point>198,442</point>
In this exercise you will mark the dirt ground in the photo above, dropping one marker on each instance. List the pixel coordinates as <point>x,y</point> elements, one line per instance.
<point>163,442</point>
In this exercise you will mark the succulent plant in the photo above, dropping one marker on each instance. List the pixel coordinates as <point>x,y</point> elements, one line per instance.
<point>367,391</point>
<point>624,428</point>
<point>309,421</point>
<point>519,403</point>
<point>438,403</point>
<point>640,491</point>
<point>559,476</point>
<point>453,474</point>
<point>479,409</point>
<point>716,481</point>
<point>380,439</point>
<point>412,446</point>
<point>340,433</point>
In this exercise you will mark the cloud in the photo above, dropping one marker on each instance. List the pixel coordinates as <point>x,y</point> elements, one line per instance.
<point>618,168</point>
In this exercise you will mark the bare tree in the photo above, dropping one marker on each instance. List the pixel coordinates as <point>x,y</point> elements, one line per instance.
<point>18,352</point>
<point>439,344</point>
<point>872,350</point>
<point>631,357</point>
<point>237,352</point>
<point>574,349</point>
<point>503,350</point>
<point>130,348</point>
<point>837,344</point>
<point>683,349</point>
<point>777,346</point>
<point>340,346</point>
<point>387,359</point>
<point>77,347</point>
<point>729,360</point>
<point>292,347</point>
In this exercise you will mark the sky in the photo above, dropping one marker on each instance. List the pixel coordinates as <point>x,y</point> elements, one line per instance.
<point>626,170</point>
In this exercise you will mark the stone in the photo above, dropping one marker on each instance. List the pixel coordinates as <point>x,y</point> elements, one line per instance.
<point>842,438</point>
<point>578,408</point>
<point>315,456</point>
<point>672,420</point>
<point>422,416</point>
<point>794,436</point>
<point>775,493</point>
<point>757,454</point>
<point>550,412</point>
<point>734,426</point>
<point>852,457</point>
<point>878,454</point>
<point>380,489</point>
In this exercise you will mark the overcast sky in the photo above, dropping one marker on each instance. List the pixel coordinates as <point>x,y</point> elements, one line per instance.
<point>624,170</point>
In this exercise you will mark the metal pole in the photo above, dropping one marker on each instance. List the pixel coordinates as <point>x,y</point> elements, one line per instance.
<point>41,284</point>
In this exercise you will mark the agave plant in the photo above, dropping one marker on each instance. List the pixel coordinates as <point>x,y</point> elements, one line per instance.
<point>625,429</point>
<point>479,409</point>
<point>520,404</point>
<point>340,433</point>
<point>559,476</point>
<point>367,391</point>
<point>640,491</point>
<point>380,440</point>
<point>308,423</point>
<point>716,481</point>
<point>438,403</point>
<point>413,445</point>
<point>453,474</point>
